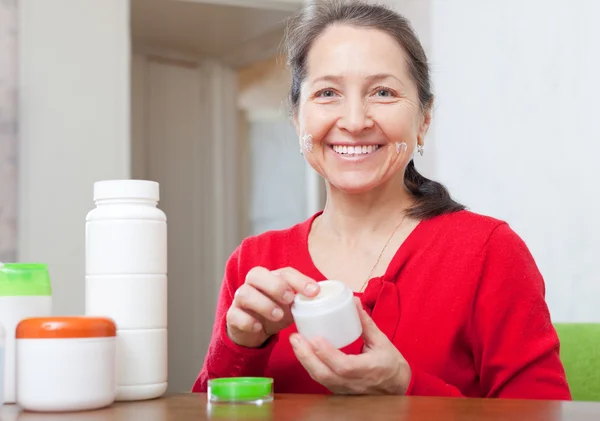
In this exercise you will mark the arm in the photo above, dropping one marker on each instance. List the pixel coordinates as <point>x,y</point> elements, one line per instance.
<point>424,384</point>
<point>515,346</point>
<point>225,358</point>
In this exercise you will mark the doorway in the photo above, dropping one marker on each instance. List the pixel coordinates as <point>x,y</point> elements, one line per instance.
<point>209,124</point>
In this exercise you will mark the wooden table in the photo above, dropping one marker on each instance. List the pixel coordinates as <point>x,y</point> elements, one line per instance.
<point>188,407</point>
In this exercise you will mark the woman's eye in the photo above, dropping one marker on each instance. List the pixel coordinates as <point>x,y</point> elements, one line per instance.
<point>326,93</point>
<point>384,93</point>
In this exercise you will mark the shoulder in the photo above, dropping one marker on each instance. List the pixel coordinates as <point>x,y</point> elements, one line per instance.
<point>274,248</point>
<point>464,228</point>
<point>502,253</point>
<point>493,232</point>
<point>275,240</point>
<point>470,221</point>
<point>472,235</point>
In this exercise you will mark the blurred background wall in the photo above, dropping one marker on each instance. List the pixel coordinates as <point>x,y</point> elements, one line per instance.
<point>8,130</point>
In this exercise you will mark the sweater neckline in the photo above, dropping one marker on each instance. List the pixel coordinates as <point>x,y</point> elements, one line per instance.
<point>397,261</point>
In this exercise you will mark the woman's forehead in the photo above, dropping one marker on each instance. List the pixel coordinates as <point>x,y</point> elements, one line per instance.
<point>344,51</point>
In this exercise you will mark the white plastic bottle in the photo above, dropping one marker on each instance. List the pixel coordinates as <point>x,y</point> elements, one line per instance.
<point>25,291</point>
<point>126,280</point>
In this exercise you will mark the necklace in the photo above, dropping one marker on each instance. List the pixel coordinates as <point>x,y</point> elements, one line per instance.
<point>381,254</point>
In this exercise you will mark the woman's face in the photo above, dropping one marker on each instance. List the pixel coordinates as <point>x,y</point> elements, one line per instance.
<point>361,108</point>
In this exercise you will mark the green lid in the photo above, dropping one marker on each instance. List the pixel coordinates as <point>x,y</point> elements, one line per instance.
<point>239,411</point>
<point>18,279</point>
<point>241,389</point>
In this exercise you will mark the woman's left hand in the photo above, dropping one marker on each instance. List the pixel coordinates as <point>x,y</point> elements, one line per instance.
<point>380,369</point>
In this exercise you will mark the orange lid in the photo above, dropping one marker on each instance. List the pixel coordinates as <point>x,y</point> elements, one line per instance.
<point>66,327</point>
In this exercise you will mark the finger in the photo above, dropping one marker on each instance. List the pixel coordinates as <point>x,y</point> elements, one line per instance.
<point>346,366</point>
<point>311,362</point>
<point>271,285</point>
<point>250,299</point>
<point>371,333</point>
<point>299,282</point>
<point>240,320</point>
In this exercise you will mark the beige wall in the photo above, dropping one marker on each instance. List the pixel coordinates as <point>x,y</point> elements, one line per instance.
<point>74,129</point>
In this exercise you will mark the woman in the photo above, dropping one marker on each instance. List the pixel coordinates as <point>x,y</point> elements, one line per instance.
<point>451,302</point>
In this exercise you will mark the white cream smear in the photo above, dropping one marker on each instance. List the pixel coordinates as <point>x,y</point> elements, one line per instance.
<point>355,150</point>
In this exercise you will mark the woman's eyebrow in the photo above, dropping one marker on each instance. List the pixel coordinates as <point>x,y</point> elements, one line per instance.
<point>375,77</point>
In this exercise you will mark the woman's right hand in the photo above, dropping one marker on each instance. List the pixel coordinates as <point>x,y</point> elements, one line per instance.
<point>261,306</point>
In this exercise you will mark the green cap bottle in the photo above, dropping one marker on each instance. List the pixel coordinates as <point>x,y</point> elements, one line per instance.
<point>24,279</point>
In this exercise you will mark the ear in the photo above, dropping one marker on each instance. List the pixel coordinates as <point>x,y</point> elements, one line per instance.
<point>425,124</point>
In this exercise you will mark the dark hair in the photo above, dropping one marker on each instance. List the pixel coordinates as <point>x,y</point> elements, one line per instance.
<point>432,198</point>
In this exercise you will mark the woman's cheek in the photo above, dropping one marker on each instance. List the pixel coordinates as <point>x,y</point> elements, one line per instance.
<point>318,121</point>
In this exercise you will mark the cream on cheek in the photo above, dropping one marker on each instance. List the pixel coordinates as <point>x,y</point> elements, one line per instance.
<point>314,120</point>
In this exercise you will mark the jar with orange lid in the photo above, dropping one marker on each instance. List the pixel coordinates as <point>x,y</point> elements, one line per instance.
<point>65,363</point>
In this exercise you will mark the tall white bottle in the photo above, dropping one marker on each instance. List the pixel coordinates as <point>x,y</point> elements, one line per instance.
<point>126,280</point>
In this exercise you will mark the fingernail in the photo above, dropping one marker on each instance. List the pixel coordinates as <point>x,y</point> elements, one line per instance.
<point>288,297</point>
<point>277,313</point>
<point>294,340</point>
<point>276,273</point>
<point>257,327</point>
<point>311,288</point>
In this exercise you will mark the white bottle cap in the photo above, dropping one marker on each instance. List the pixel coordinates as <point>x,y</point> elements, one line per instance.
<point>126,189</point>
<point>331,295</point>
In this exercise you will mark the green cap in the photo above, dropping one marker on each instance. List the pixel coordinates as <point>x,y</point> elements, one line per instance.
<point>18,279</point>
<point>239,411</point>
<point>241,389</point>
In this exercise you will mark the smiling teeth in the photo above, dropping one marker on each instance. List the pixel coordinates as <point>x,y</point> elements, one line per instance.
<point>355,150</point>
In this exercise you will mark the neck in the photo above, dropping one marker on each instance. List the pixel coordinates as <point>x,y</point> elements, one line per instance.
<point>351,217</point>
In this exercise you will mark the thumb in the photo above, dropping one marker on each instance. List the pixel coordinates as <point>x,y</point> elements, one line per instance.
<point>372,335</point>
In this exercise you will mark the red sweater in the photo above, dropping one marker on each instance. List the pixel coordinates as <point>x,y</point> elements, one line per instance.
<point>462,300</point>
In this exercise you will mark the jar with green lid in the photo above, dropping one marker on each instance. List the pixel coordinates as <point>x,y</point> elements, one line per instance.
<point>25,291</point>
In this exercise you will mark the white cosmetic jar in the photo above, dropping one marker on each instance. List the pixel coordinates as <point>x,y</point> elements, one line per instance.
<point>65,363</point>
<point>331,315</point>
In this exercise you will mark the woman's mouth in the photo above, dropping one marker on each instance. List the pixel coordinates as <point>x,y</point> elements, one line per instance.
<point>356,150</point>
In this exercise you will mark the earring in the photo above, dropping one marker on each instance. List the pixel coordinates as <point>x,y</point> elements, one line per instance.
<point>401,147</point>
<point>307,142</point>
<point>420,149</point>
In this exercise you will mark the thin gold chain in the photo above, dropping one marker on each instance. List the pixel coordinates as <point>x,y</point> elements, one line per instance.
<point>381,253</point>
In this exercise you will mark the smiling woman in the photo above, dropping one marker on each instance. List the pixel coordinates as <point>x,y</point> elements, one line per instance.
<point>451,303</point>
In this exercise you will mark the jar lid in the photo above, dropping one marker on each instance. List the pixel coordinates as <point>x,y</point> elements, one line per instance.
<point>241,389</point>
<point>65,327</point>
<point>331,294</point>
<point>126,189</point>
<point>21,279</point>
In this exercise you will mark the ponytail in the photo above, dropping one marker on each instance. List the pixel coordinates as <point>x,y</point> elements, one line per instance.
<point>432,198</point>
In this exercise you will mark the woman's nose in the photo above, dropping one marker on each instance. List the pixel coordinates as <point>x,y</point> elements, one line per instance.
<point>355,116</point>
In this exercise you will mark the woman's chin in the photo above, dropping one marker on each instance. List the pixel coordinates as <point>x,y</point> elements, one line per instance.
<point>352,185</point>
